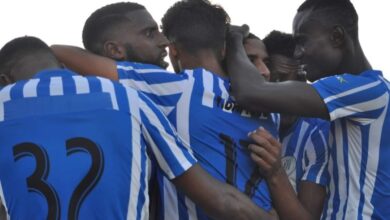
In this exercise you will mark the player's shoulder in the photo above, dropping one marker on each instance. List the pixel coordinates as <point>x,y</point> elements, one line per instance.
<point>140,67</point>
<point>347,79</point>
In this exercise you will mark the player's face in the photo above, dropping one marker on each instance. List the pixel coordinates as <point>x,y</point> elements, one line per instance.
<point>284,68</point>
<point>257,53</point>
<point>314,48</point>
<point>143,40</point>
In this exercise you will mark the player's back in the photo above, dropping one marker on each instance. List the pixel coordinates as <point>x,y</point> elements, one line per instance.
<point>71,148</point>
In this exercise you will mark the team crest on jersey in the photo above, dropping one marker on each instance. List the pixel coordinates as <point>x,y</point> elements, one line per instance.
<point>341,79</point>
<point>289,164</point>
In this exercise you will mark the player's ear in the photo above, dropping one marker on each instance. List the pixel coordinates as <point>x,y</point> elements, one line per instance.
<point>5,79</point>
<point>337,36</point>
<point>114,51</point>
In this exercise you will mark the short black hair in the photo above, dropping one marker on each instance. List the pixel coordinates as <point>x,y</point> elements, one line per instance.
<point>281,43</point>
<point>102,22</point>
<point>19,48</point>
<point>335,11</point>
<point>252,36</point>
<point>196,24</point>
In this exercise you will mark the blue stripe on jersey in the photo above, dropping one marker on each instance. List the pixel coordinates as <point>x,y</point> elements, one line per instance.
<point>43,88</point>
<point>345,159</point>
<point>359,109</point>
<point>69,85</point>
<point>207,118</point>
<point>17,91</point>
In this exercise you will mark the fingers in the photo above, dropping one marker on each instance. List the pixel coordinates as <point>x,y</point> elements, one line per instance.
<point>264,166</point>
<point>243,30</point>
<point>261,135</point>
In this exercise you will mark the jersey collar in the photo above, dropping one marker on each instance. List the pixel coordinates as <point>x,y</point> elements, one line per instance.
<point>54,72</point>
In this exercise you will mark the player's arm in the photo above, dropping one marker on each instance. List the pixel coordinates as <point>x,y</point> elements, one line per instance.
<point>311,189</point>
<point>84,62</point>
<point>255,94</point>
<point>217,199</point>
<point>312,196</point>
<point>267,154</point>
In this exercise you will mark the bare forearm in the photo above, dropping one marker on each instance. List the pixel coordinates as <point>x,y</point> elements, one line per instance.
<point>239,206</point>
<point>217,199</point>
<point>285,200</point>
<point>84,62</point>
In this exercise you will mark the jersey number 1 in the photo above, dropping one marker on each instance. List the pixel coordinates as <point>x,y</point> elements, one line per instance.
<point>37,181</point>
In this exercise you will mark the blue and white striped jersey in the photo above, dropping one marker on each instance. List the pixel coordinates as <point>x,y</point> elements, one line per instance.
<point>73,147</point>
<point>197,102</point>
<point>305,151</point>
<point>359,163</point>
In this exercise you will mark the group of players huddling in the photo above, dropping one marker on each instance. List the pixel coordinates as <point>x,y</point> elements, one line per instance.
<point>235,133</point>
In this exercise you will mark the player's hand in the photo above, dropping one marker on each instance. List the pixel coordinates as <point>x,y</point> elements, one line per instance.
<point>266,153</point>
<point>240,32</point>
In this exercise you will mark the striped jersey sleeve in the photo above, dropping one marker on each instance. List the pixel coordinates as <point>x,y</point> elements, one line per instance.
<point>360,98</point>
<point>153,81</point>
<point>316,155</point>
<point>172,154</point>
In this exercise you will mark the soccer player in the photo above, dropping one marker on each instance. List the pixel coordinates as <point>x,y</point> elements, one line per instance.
<point>304,148</point>
<point>348,92</point>
<point>196,100</point>
<point>79,148</point>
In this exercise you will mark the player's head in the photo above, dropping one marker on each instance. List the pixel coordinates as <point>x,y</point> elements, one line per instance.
<point>125,31</point>
<point>283,65</point>
<point>193,26</point>
<point>326,33</point>
<point>257,53</point>
<point>22,57</point>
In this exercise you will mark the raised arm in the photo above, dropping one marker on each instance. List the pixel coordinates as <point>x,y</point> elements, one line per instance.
<point>84,62</point>
<point>255,94</point>
<point>217,199</point>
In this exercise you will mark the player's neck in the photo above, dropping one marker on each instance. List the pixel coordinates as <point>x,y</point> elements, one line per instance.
<point>356,62</point>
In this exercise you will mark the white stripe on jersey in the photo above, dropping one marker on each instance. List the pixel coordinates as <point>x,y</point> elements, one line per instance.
<point>191,209</point>
<point>154,70</point>
<point>169,88</point>
<point>208,84</point>
<point>342,181</point>
<point>5,96</point>
<point>108,86</point>
<point>56,87</point>
<point>135,180</point>
<point>3,199</point>
<point>225,93</point>
<point>169,140</point>
<point>326,152</point>
<point>354,169</point>
<point>170,200</point>
<point>82,85</point>
<point>355,90</point>
<point>360,107</point>
<point>30,88</point>
<point>372,161</point>
<point>183,116</point>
